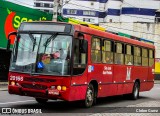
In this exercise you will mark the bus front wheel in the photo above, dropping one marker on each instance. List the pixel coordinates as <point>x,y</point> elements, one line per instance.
<point>89,99</point>
<point>41,100</point>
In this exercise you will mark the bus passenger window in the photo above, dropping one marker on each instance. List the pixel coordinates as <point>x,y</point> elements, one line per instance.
<point>129,55</point>
<point>151,57</point>
<point>144,57</point>
<point>107,54</point>
<point>119,56</point>
<point>96,50</point>
<point>80,56</point>
<point>137,56</point>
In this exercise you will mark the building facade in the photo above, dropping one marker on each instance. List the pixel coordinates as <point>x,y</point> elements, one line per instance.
<point>44,5</point>
<point>96,11</point>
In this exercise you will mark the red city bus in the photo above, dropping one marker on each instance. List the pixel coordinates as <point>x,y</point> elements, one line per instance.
<point>52,60</point>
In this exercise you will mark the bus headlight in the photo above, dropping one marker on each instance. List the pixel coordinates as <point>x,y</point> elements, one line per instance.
<point>59,88</point>
<point>64,88</point>
<point>12,83</point>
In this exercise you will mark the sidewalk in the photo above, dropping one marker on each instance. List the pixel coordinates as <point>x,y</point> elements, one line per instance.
<point>3,85</point>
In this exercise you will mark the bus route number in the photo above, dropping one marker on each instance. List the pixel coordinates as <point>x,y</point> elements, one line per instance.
<point>16,78</point>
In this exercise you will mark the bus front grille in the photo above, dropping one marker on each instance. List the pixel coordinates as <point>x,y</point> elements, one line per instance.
<point>38,80</point>
<point>36,86</point>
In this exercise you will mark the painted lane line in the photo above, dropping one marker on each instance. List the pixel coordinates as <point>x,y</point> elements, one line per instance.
<point>16,102</point>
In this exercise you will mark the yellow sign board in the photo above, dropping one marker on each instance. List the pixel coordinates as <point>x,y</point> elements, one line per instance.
<point>73,21</point>
<point>157,66</point>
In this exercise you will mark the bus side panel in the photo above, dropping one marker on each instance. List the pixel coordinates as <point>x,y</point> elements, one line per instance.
<point>119,73</point>
<point>150,74</point>
<point>140,73</point>
<point>107,90</point>
<point>103,75</point>
<point>146,86</point>
<point>77,93</point>
<point>128,88</point>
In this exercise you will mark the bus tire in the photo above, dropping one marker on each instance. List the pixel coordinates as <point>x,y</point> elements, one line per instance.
<point>135,93</point>
<point>41,100</point>
<point>90,94</point>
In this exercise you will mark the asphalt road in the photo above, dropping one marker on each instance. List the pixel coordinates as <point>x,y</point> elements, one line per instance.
<point>147,99</point>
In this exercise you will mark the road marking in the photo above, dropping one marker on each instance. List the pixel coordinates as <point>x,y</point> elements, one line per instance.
<point>16,102</point>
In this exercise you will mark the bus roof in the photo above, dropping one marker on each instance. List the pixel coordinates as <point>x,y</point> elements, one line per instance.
<point>102,34</point>
<point>111,36</point>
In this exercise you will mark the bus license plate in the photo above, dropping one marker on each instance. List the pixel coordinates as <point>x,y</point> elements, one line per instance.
<point>53,92</point>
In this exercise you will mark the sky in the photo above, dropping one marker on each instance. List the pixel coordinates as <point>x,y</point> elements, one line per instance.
<point>28,3</point>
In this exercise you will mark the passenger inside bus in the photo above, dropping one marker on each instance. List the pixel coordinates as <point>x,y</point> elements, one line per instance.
<point>80,54</point>
<point>56,58</point>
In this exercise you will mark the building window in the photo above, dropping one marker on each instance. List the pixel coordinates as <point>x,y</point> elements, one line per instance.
<point>157,17</point>
<point>41,5</point>
<point>46,5</point>
<point>51,5</point>
<point>71,11</point>
<point>89,20</point>
<point>37,4</point>
<point>90,13</point>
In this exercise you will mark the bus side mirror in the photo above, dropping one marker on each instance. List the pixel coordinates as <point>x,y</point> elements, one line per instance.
<point>9,40</point>
<point>8,45</point>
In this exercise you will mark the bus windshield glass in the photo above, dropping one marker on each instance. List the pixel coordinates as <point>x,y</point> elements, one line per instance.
<point>42,53</point>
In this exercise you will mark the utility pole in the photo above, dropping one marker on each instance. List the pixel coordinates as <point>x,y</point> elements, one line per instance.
<point>55,10</point>
<point>57,4</point>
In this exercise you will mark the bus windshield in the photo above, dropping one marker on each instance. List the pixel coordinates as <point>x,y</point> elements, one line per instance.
<point>42,53</point>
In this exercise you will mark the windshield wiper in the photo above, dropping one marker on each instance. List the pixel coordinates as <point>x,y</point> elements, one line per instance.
<point>33,40</point>
<point>49,39</point>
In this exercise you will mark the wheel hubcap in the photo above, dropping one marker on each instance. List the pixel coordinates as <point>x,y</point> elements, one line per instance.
<point>136,92</point>
<point>89,95</point>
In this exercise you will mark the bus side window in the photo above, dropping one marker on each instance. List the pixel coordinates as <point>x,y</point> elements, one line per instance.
<point>144,57</point>
<point>137,56</point>
<point>129,55</point>
<point>107,54</point>
<point>118,55</point>
<point>151,57</point>
<point>96,50</point>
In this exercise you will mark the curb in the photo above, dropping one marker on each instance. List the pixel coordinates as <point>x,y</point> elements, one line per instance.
<point>3,89</point>
<point>3,86</point>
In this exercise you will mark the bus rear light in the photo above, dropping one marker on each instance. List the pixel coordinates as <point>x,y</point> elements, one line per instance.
<point>12,83</point>
<point>59,88</point>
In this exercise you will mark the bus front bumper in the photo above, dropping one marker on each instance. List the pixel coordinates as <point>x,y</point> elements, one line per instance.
<point>68,95</point>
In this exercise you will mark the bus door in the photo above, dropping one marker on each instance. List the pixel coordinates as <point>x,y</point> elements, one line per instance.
<point>80,54</point>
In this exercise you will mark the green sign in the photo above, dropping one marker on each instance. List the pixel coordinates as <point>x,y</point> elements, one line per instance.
<point>124,34</point>
<point>11,17</point>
